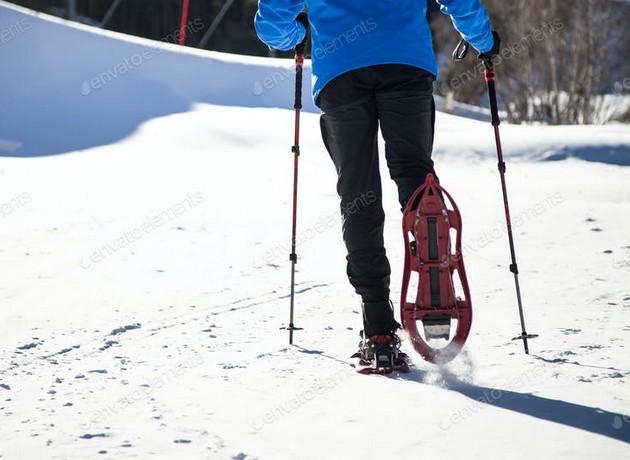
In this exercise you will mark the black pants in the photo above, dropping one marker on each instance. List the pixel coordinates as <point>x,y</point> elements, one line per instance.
<point>400,99</point>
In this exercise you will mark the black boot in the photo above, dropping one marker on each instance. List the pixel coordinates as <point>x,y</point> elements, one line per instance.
<point>378,318</point>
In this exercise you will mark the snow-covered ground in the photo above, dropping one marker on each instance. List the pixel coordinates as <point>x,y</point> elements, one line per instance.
<point>145,272</point>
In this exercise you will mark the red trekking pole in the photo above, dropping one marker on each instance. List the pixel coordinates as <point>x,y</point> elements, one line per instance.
<point>297,105</point>
<point>492,94</point>
<point>459,54</point>
<point>183,23</point>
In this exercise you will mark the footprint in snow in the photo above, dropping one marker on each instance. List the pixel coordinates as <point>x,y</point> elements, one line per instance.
<point>615,375</point>
<point>570,331</point>
<point>232,366</point>
<point>242,456</point>
<point>28,346</point>
<point>108,344</point>
<point>592,347</point>
<point>123,329</point>
<point>91,436</point>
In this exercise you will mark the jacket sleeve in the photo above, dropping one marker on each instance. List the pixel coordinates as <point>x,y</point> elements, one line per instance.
<point>276,25</point>
<point>471,21</point>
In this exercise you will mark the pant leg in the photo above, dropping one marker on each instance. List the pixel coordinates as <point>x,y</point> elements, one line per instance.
<point>349,128</point>
<point>407,116</point>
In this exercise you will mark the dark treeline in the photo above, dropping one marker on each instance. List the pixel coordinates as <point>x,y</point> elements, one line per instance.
<point>158,19</point>
<point>558,56</point>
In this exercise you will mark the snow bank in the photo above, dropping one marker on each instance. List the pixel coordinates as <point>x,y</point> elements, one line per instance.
<point>69,87</point>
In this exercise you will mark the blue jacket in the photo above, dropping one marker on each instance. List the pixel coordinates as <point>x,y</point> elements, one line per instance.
<point>350,34</point>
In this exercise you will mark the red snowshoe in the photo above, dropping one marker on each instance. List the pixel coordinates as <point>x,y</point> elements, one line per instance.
<point>438,294</point>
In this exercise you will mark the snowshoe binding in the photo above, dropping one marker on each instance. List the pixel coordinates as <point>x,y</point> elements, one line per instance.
<point>380,354</point>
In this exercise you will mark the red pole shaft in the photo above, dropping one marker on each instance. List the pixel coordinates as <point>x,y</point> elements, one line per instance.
<point>183,23</point>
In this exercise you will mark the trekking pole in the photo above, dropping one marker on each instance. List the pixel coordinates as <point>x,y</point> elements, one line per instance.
<point>297,105</point>
<point>459,54</point>
<point>183,23</point>
<point>492,94</point>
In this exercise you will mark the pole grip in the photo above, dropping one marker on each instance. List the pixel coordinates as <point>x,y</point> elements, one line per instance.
<point>299,64</point>
<point>492,93</point>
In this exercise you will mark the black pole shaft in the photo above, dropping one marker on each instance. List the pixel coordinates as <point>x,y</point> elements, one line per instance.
<point>299,62</point>
<point>489,73</point>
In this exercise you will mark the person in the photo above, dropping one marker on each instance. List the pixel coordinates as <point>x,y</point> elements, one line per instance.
<point>373,65</point>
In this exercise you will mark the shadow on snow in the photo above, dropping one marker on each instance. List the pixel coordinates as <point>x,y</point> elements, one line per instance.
<point>613,155</point>
<point>591,419</point>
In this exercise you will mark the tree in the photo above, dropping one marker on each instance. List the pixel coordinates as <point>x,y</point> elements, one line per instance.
<point>558,58</point>
<point>157,19</point>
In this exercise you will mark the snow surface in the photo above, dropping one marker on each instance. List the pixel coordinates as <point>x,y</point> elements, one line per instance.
<point>146,273</point>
